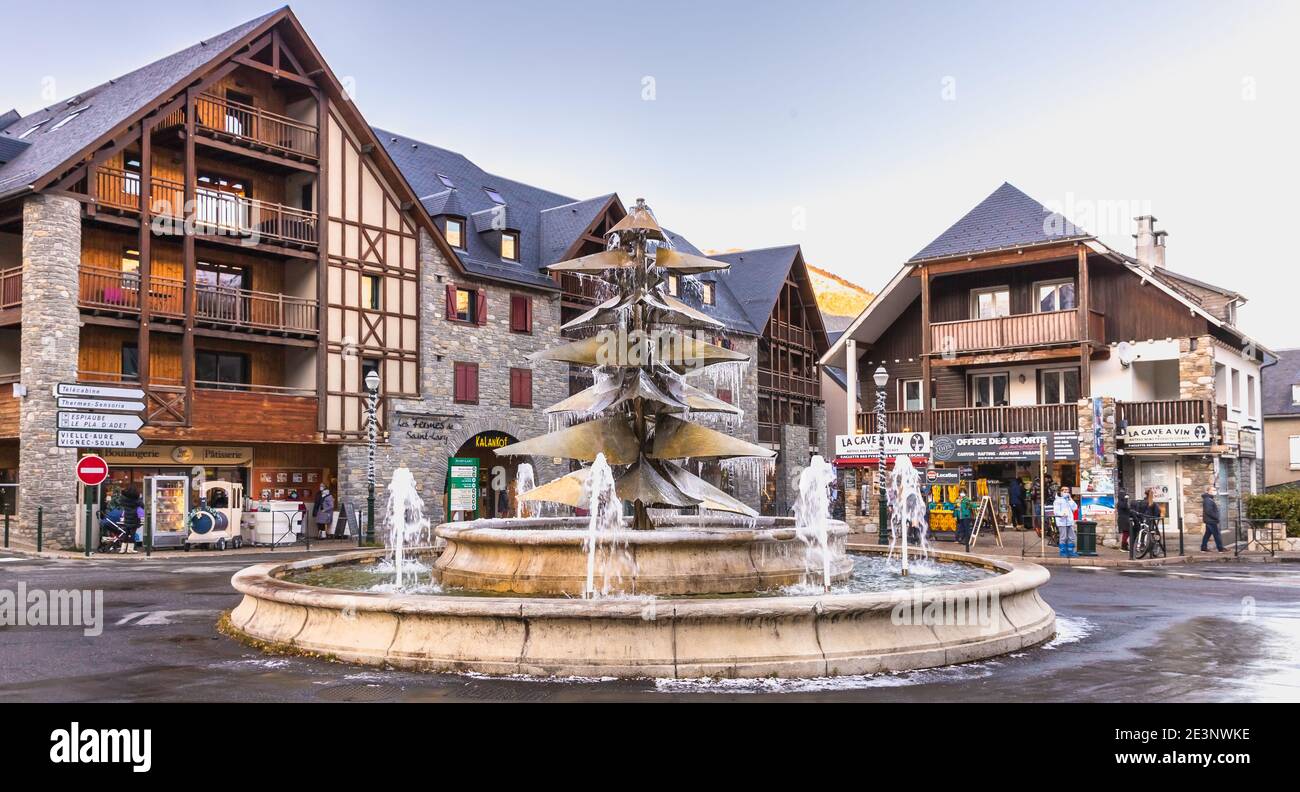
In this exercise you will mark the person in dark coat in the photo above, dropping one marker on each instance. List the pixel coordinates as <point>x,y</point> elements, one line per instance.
<point>1017,496</point>
<point>132,506</point>
<point>323,509</point>
<point>1123,517</point>
<point>1210,513</point>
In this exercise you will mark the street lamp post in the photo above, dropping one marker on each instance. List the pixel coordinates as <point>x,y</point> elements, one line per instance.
<point>372,436</point>
<point>881,377</point>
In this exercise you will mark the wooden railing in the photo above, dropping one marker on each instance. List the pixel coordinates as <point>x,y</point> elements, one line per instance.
<point>790,334</point>
<point>112,290</point>
<point>1014,332</point>
<point>978,420</point>
<point>584,289</point>
<point>789,383</point>
<point>1171,411</point>
<point>215,211</point>
<point>11,287</point>
<point>248,124</point>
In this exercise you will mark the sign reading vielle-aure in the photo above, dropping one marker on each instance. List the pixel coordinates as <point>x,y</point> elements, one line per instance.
<point>1167,436</point>
<point>75,438</point>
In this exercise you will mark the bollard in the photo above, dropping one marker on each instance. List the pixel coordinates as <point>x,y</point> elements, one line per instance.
<point>148,534</point>
<point>89,517</point>
<point>40,527</point>
<point>6,530</point>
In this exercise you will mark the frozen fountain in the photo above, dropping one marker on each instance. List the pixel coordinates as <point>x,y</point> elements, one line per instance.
<point>812,517</point>
<point>407,525</point>
<point>693,583</point>
<point>907,510</point>
<point>524,483</point>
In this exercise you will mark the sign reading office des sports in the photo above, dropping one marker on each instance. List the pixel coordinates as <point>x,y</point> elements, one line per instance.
<point>912,444</point>
<point>1006,447</point>
<point>1167,436</point>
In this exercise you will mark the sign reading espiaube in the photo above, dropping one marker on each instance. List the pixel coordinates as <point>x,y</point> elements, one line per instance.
<point>1167,436</point>
<point>913,444</point>
<point>105,422</point>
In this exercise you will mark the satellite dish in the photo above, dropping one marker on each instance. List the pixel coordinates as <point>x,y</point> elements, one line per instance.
<point>1124,351</point>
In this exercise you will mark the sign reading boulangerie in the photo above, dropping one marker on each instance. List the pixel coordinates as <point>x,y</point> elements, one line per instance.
<point>1167,435</point>
<point>896,444</point>
<point>1008,447</point>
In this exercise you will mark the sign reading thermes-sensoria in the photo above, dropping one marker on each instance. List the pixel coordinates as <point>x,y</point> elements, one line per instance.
<point>72,403</point>
<point>97,391</point>
<point>77,438</point>
<point>107,422</point>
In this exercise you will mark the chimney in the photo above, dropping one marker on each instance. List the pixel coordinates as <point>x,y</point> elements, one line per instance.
<point>1150,242</point>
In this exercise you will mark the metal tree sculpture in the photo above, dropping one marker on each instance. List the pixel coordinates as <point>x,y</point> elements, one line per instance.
<point>637,411</point>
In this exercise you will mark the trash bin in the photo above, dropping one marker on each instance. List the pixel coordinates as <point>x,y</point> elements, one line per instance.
<point>1087,537</point>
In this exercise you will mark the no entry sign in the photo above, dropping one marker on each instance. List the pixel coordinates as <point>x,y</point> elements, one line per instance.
<point>92,470</point>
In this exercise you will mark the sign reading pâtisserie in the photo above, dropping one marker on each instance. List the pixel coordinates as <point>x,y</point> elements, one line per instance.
<point>1167,436</point>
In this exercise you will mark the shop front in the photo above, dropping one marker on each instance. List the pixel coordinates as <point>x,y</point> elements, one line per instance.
<point>1011,471</point>
<point>497,478</point>
<point>1160,458</point>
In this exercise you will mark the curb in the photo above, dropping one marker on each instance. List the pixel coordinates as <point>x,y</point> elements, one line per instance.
<point>1110,563</point>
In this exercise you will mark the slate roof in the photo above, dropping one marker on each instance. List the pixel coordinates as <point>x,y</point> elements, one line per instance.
<point>1007,218</point>
<point>1277,379</point>
<point>103,108</point>
<point>756,277</point>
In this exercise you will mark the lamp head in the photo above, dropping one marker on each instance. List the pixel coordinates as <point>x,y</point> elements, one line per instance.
<point>372,381</point>
<point>881,376</point>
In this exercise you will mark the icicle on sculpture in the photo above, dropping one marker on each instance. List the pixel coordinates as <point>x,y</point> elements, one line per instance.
<point>637,412</point>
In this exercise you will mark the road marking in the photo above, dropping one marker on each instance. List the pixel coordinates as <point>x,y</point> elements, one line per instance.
<point>159,617</point>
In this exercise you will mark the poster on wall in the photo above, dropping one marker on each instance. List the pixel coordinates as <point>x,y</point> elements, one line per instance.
<point>462,484</point>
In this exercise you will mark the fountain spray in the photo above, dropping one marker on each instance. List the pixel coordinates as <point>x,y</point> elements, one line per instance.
<point>605,516</point>
<point>812,508</point>
<point>524,482</point>
<point>405,518</point>
<point>906,509</point>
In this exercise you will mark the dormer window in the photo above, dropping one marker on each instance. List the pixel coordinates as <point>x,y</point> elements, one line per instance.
<point>673,285</point>
<point>446,182</point>
<point>495,196</point>
<point>510,245</point>
<point>454,230</point>
<point>707,293</point>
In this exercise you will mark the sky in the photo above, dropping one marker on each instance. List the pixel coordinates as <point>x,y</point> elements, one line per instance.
<point>858,130</point>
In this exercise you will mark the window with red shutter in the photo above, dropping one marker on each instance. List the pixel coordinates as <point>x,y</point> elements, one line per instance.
<point>465,386</point>
<point>481,308</point>
<point>521,313</point>
<point>451,302</point>
<point>521,387</point>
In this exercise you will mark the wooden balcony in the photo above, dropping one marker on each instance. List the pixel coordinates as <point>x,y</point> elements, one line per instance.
<point>978,420</point>
<point>1011,333</point>
<point>114,292</point>
<point>789,384</point>
<point>215,213</point>
<point>252,127</point>
<point>221,411</point>
<point>789,334</point>
<point>1174,411</point>
<point>583,290</point>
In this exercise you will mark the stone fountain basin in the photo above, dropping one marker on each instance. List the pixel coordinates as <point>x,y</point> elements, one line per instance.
<point>796,636</point>
<point>683,555</point>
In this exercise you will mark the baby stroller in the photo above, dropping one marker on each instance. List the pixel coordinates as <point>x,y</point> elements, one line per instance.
<point>113,533</point>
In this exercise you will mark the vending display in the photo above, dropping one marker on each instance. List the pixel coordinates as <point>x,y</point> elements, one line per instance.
<point>168,499</point>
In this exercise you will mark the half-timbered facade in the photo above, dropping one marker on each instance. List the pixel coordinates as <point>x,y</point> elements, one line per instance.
<point>1016,323</point>
<point>222,230</point>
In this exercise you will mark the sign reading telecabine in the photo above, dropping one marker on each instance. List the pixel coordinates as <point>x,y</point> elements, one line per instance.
<point>75,438</point>
<point>462,483</point>
<point>915,444</point>
<point>1167,436</point>
<point>106,422</point>
<point>1011,447</point>
<point>97,391</point>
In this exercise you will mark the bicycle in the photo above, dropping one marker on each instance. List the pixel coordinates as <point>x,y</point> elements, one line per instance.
<point>1148,539</point>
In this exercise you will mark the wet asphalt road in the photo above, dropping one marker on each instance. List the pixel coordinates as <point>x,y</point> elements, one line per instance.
<point>1202,632</point>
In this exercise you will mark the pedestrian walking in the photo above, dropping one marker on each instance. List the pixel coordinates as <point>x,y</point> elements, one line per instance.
<point>132,508</point>
<point>1063,512</point>
<point>323,509</point>
<point>965,511</point>
<point>1210,513</point>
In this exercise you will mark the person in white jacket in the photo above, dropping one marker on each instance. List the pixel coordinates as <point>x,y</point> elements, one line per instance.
<point>1063,512</point>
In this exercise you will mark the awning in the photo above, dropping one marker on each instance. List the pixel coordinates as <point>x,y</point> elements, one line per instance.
<point>870,462</point>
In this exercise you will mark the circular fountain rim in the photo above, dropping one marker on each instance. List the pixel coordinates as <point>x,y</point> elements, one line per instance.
<point>573,530</point>
<point>262,580</point>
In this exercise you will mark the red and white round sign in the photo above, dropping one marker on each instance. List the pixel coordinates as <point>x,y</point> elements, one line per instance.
<point>92,470</point>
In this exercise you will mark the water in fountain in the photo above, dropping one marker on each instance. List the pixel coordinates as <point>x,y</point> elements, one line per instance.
<point>812,513</point>
<point>523,483</point>
<point>407,525</point>
<point>907,510</point>
<point>605,557</point>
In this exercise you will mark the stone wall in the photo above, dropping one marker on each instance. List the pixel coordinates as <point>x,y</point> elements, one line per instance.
<point>49,348</point>
<point>1196,368</point>
<point>436,427</point>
